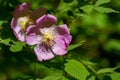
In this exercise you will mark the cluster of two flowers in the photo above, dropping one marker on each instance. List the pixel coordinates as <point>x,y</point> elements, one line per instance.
<point>37,28</point>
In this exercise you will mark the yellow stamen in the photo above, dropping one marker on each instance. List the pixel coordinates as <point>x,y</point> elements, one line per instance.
<point>24,22</point>
<point>48,38</point>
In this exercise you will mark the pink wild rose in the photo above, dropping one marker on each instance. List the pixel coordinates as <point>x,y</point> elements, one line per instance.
<point>24,18</point>
<point>50,39</point>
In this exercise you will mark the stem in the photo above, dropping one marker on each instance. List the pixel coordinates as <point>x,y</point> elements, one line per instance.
<point>63,61</point>
<point>34,71</point>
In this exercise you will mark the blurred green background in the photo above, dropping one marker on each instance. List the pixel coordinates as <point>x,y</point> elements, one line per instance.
<point>98,28</point>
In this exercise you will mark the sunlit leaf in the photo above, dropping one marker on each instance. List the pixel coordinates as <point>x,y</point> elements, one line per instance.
<point>51,78</point>
<point>54,78</point>
<point>91,78</point>
<point>76,70</point>
<point>106,70</point>
<point>5,41</point>
<point>115,76</point>
<point>1,22</point>
<point>100,2</point>
<point>87,8</point>
<point>73,46</point>
<point>36,79</point>
<point>16,47</point>
<point>105,10</point>
<point>64,78</point>
<point>112,44</point>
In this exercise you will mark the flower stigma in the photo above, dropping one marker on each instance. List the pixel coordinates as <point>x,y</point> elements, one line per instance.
<point>48,39</point>
<point>24,22</point>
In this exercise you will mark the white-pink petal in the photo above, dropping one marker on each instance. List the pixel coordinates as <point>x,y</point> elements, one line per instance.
<point>59,48</point>
<point>42,53</point>
<point>32,37</point>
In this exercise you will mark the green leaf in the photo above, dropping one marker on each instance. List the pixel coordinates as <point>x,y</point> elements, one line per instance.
<point>1,22</point>
<point>52,78</point>
<point>106,70</point>
<point>115,76</point>
<point>100,2</point>
<point>76,69</point>
<point>44,71</point>
<point>91,78</point>
<point>105,10</point>
<point>55,78</point>
<point>64,78</point>
<point>112,44</point>
<point>36,79</point>
<point>5,41</point>
<point>73,46</point>
<point>87,8</point>
<point>16,47</point>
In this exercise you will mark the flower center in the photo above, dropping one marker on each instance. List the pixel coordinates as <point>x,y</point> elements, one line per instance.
<point>24,22</point>
<point>48,38</point>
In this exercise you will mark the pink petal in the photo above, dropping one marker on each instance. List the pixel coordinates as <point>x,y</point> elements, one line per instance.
<point>18,33</point>
<point>46,21</point>
<point>42,53</point>
<point>59,47</point>
<point>37,13</point>
<point>31,36</point>
<point>13,23</point>
<point>63,31</point>
<point>21,10</point>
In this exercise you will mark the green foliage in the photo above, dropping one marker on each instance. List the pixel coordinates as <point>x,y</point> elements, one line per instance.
<point>100,2</point>
<point>105,10</point>
<point>97,7</point>
<point>106,70</point>
<point>95,28</point>
<point>112,44</point>
<point>87,8</point>
<point>55,78</point>
<point>76,69</point>
<point>17,46</point>
<point>5,41</point>
<point>73,46</point>
<point>92,78</point>
<point>115,76</point>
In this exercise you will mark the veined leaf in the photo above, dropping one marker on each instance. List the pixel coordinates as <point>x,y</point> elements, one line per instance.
<point>52,78</point>
<point>105,10</point>
<point>55,78</point>
<point>87,8</point>
<point>91,78</point>
<point>76,69</point>
<point>73,46</point>
<point>106,70</point>
<point>100,2</point>
<point>115,76</point>
<point>16,47</point>
<point>5,41</point>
